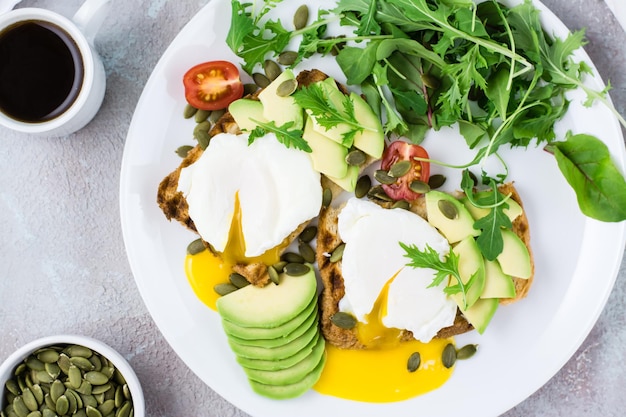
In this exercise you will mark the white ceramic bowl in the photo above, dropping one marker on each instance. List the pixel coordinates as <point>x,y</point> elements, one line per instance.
<point>9,365</point>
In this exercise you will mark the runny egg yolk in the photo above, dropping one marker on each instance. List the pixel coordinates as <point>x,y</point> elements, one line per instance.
<point>379,373</point>
<point>206,269</point>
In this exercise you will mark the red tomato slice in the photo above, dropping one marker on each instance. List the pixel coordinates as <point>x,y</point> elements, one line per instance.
<point>212,85</point>
<point>420,170</point>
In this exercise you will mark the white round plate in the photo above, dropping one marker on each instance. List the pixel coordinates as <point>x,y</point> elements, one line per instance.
<point>577,259</point>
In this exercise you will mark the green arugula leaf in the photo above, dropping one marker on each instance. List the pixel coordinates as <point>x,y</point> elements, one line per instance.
<point>600,187</point>
<point>357,63</point>
<point>449,267</point>
<point>285,135</point>
<point>241,26</point>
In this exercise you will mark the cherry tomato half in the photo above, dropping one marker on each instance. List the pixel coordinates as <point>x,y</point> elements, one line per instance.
<point>419,171</point>
<point>212,85</point>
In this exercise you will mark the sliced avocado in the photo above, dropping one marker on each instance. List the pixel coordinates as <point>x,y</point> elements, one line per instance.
<point>336,97</point>
<point>470,263</point>
<point>371,139</point>
<point>497,283</point>
<point>281,340</point>
<point>278,352</point>
<point>328,156</point>
<point>292,374</point>
<point>514,259</point>
<point>348,182</point>
<point>269,365</point>
<point>281,392</point>
<point>256,333</point>
<point>244,111</point>
<point>479,315</point>
<point>513,211</point>
<point>269,306</point>
<point>281,110</point>
<point>459,223</point>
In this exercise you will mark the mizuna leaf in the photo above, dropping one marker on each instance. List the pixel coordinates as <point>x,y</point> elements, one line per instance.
<point>600,187</point>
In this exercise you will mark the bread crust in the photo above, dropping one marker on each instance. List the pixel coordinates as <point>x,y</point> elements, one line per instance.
<point>333,286</point>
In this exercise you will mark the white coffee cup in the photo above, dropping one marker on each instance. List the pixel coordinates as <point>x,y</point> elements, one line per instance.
<point>87,92</point>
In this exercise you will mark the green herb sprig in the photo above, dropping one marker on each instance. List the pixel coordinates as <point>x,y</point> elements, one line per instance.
<point>285,134</point>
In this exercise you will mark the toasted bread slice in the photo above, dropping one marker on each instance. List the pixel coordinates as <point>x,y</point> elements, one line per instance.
<point>328,239</point>
<point>173,204</point>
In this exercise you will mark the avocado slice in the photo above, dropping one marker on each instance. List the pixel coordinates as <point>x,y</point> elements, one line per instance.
<point>281,110</point>
<point>281,392</point>
<point>258,333</point>
<point>291,374</point>
<point>328,156</point>
<point>348,182</point>
<point>371,139</point>
<point>481,313</point>
<point>269,306</point>
<point>245,111</point>
<point>497,283</point>
<point>281,340</point>
<point>269,365</point>
<point>512,212</point>
<point>277,352</point>
<point>457,225</point>
<point>470,263</point>
<point>515,258</point>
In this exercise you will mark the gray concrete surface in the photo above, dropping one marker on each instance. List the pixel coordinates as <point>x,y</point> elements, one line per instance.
<point>63,268</point>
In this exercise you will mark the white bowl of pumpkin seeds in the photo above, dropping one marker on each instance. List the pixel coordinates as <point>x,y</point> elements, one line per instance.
<point>69,375</point>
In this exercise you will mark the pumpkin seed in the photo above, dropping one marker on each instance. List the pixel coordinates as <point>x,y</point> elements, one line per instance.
<point>383,177</point>
<point>72,403</point>
<point>296,269</point>
<point>47,412</point>
<point>363,185</point>
<point>101,389</point>
<point>35,413</point>
<point>19,407</point>
<point>29,400</point>
<point>48,355</point>
<point>38,393</point>
<point>249,89</point>
<point>64,363</point>
<point>308,234</point>
<point>272,69</point>
<point>201,115</point>
<point>307,252</point>
<point>183,151</point>
<point>448,209</point>
<point>343,320</point>
<point>75,398</point>
<point>327,197</point>
<point>201,134</point>
<point>62,405</point>
<point>301,17</point>
<point>466,352</point>
<point>49,403</point>
<point>95,378</point>
<point>78,350</point>
<point>401,204</point>
<point>279,266</point>
<point>378,193</point>
<point>42,377</point>
<point>106,407</point>
<point>292,257</point>
<point>356,157</point>
<point>216,115</point>
<point>56,390</point>
<point>34,364</point>
<point>124,410</point>
<point>238,280</point>
<point>286,88</point>
<point>196,247</point>
<point>436,181</point>
<point>75,376</point>
<point>337,253</point>
<point>189,111</point>
<point>400,168</point>
<point>85,388</point>
<point>260,80</point>
<point>20,369</point>
<point>414,362</point>
<point>12,387</point>
<point>92,412</point>
<point>287,58</point>
<point>448,357</point>
<point>119,396</point>
<point>83,364</point>
<point>223,289</point>
<point>419,187</point>
<point>89,400</point>
<point>126,390</point>
<point>119,378</point>
<point>274,277</point>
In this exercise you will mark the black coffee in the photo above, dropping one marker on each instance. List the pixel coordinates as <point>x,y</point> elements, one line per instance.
<point>41,71</point>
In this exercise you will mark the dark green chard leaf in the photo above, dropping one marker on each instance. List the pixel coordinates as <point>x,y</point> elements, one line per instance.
<point>600,188</point>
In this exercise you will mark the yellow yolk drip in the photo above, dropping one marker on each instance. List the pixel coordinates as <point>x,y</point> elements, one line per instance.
<point>206,269</point>
<point>379,373</point>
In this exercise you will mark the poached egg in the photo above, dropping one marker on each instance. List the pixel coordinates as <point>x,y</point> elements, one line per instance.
<point>245,200</point>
